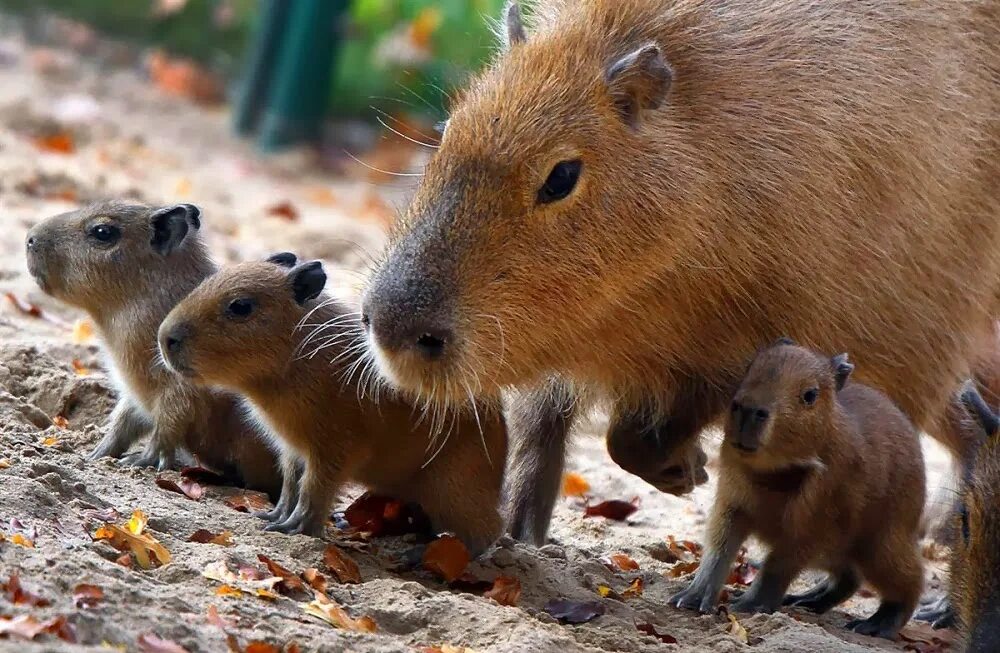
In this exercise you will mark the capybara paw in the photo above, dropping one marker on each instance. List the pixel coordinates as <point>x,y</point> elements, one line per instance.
<point>272,515</point>
<point>937,611</point>
<point>750,603</point>
<point>695,597</point>
<point>142,459</point>
<point>873,628</point>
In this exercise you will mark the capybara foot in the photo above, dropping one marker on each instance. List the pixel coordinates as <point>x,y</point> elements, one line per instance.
<point>886,621</point>
<point>697,596</point>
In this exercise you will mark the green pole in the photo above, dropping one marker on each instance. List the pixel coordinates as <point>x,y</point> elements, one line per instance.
<point>253,92</point>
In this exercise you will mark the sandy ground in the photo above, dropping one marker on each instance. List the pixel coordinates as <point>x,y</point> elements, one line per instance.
<point>133,141</point>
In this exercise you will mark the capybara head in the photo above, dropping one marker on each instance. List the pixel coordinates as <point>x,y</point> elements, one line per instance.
<point>975,567</point>
<point>239,326</point>
<point>532,216</point>
<point>104,254</point>
<point>785,402</point>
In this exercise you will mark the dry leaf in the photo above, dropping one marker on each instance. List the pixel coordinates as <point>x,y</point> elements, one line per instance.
<point>622,562</point>
<point>650,630</point>
<point>145,548</point>
<point>290,583</point>
<point>381,515</point>
<point>924,638</point>
<point>184,78</point>
<point>505,591</point>
<point>247,501</point>
<point>87,596</point>
<point>216,619</point>
<point>60,142</point>
<point>203,536</point>
<point>184,486</point>
<point>743,571</point>
<point>28,627</point>
<point>21,540</point>
<point>316,580</point>
<point>447,557</point>
<point>345,569</point>
<point>574,485</point>
<point>575,612</point>
<point>737,630</point>
<point>83,332</point>
<point>325,609</point>
<point>682,568</point>
<point>59,422</point>
<point>614,509</point>
<point>150,643</point>
<point>284,210</point>
<point>634,588</point>
<point>4,463</point>
<point>137,522</point>
<point>258,646</point>
<point>228,590</point>
<point>266,594</point>
<point>80,368</point>
<point>17,595</point>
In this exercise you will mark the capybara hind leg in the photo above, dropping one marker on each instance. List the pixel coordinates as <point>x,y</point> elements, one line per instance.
<point>831,592</point>
<point>539,423</point>
<point>894,570</point>
<point>317,489</point>
<point>768,589</point>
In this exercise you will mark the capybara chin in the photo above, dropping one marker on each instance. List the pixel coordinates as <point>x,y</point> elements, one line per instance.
<point>638,194</point>
<point>828,474</point>
<point>264,330</point>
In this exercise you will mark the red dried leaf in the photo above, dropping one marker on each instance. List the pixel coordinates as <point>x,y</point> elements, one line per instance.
<point>60,142</point>
<point>574,485</point>
<point>185,486</point>
<point>345,569</point>
<point>682,568</point>
<point>290,583</point>
<point>575,612</point>
<point>87,596</point>
<point>17,595</point>
<point>923,638</point>
<point>743,571</point>
<point>622,562</point>
<point>204,536</point>
<point>505,591</point>
<point>315,579</point>
<point>28,627</point>
<point>150,643</point>
<point>614,509</point>
<point>247,501</point>
<point>634,588</point>
<point>284,210</point>
<point>650,630</point>
<point>381,516</point>
<point>257,646</point>
<point>447,557</point>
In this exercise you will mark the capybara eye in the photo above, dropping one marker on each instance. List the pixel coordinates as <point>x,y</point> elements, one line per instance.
<point>561,182</point>
<point>809,396</point>
<point>240,308</point>
<point>105,233</point>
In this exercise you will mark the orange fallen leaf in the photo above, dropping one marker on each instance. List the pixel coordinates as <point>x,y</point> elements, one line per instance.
<point>87,596</point>
<point>743,571</point>
<point>51,440</point>
<point>285,210</point>
<point>258,646</point>
<point>80,368</point>
<point>83,332</point>
<point>345,569</point>
<point>315,579</point>
<point>60,422</point>
<point>145,548</point>
<point>28,627</point>
<point>21,540</point>
<point>204,536</point>
<point>150,643</point>
<point>290,583</point>
<point>60,142</point>
<point>737,630</point>
<point>17,595</point>
<point>228,590</point>
<point>247,501</point>
<point>184,78</point>
<point>266,594</point>
<point>682,568</point>
<point>624,563</point>
<point>614,509</point>
<point>4,463</point>
<point>634,588</point>
<point>650,630</point>
<point>447,557</point>
<point>137,522</point>
<point>381,515</point>
<point>505,591</point>
<point>574,485</point>
<point>325,609</point>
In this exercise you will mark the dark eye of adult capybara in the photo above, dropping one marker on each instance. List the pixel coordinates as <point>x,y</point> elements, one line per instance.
<point>561,181</point>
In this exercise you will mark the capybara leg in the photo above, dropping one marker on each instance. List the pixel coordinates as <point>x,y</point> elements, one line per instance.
<point>290,477</point>
<point>937,611</point>
<point>727,532</point>
<point>831,592</point>
<point>128,424</point>
<point>538,423</point>
<point>768,589</point>
<point>894,570</point>
<point>317,489</point>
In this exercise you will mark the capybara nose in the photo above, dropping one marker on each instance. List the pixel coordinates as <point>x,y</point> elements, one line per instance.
<point>172,341</point>
<point>406,316</point>
<point>30,243</point>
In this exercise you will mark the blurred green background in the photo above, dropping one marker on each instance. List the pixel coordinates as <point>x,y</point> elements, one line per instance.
<point>396,55</point>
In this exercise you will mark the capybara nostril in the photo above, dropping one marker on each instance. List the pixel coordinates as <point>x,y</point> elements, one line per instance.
<point>173,341</point>
<point>761,415</point>
<point>31,242</point>
<point>431,345</point>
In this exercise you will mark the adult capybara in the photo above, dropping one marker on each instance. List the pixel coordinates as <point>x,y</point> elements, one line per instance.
<point>638,194</point>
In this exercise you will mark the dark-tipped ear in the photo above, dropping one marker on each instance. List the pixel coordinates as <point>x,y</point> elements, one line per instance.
<point>783,341</point>
<point>841,370</point>
<point>284,259</point>
<point>979,410</point>
<point>513,25</point>
<point>171,224</point>
<point>639,81</point>
<point>308,281</point>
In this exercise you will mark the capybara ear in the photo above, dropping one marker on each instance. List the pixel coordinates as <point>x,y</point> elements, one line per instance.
<point>841,370</point>
<point>783,341</point>
<point>170,226</point>
<point>639,81</point>
<point>284,259</point>
<point>513,25</point>
<point>980,410</point>
<point>308,281</point>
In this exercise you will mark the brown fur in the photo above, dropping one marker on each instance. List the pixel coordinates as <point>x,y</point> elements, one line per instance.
<point>294,358</point>
<point>822,169</point>
<point>127,287</point>
<point>836,484</point>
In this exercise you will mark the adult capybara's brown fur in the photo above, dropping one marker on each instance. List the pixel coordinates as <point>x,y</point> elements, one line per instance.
<point>127,265</point>
<point>263,329</point>
<point>640,193</point>
<point>827,474</point>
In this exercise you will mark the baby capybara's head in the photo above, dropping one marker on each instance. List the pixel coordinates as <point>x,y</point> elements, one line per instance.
<point>534,212</point>
<point>239,327</point>
<point>975,566</point>
<point>106,254</point>
<point>784,402</point>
